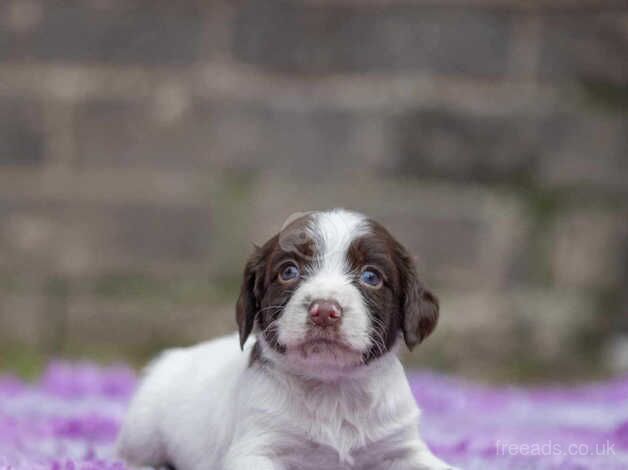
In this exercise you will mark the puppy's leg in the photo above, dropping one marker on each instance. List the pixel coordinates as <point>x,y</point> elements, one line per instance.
<point>253,444</point>
<point>420,458</point>
<point>139,442</point>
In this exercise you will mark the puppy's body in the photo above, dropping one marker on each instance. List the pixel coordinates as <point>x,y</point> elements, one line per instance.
<point>321,388</point>
<point>195,412</point>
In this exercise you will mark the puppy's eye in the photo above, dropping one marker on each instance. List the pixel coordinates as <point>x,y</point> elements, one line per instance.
<point>289,272</point>
<point>371,278</point>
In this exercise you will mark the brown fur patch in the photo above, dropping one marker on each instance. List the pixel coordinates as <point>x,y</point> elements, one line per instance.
<point>401,304</point>
<point>263,296</point>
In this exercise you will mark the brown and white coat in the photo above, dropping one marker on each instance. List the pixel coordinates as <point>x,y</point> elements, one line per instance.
<point>329,299</point>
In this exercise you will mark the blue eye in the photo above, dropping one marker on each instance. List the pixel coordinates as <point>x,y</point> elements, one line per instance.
<point>289,272</point>
<point>371,278</point>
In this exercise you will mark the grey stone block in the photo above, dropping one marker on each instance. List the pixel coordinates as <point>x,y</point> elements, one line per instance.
<point>527,327</point>
<point>139,325</point>
<point>113,133</point>
<point>224,135</point>
<point>6,41</point>
<point>22,136</point>
<point>115,32</point>
<point>617,354</point>
<point>37,235</point>
<point>562,148</point>
<point>588,45</point>
<point>589,149</point>
<point>301,141</point>
<point>154,234</point>
<point>466,146</point>
<point>586,248</point>
<point>78,238</point>
<point>22,318</point>
<point>298,38</point>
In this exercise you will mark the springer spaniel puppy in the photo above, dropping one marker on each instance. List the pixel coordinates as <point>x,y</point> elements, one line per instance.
<point>319,387</point>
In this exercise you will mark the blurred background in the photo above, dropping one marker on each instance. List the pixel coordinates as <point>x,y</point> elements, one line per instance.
<point>145,145</point>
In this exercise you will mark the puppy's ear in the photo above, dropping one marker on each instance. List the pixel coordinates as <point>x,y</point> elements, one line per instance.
<point>248,302</point>
<point>420,308</point>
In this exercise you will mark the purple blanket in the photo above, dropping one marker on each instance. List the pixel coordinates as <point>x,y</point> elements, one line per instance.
<point>69,420</point>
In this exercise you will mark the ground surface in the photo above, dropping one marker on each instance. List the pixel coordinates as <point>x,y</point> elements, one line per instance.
<point>68,420</point>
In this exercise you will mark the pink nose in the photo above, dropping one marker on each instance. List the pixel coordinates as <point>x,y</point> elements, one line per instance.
<point>325,312</point>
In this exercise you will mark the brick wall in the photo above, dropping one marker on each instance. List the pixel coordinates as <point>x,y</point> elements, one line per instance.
<point>145,144</point>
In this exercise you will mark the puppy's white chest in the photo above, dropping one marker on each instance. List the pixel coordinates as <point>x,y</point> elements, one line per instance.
<point>313,456</point>
<point>337,427</point>
<point>337,416</point>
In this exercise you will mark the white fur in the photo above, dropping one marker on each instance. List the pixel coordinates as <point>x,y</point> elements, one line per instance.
<point>204,408</point>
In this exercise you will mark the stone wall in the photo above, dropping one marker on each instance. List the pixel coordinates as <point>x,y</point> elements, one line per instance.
<point>144,145</point>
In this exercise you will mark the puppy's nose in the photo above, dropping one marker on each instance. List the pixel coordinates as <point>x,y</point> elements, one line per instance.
<point>325,312</point>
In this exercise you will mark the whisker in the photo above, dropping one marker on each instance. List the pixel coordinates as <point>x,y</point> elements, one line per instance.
<point>269,307</point>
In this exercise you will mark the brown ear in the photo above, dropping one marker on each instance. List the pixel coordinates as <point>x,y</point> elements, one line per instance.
<point>420,307</point>
<point>248,302</point>
<point>420,315</point>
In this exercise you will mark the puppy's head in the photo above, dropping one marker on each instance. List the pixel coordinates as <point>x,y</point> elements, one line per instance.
<point>333,290</point>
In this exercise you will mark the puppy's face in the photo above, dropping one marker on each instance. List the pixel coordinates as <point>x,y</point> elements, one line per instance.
<point>333,290</point>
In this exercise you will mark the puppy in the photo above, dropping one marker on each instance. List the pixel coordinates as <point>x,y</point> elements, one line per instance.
<point>319,387</point>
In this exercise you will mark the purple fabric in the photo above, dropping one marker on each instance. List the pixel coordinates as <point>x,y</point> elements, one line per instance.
<point>69,421</point>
